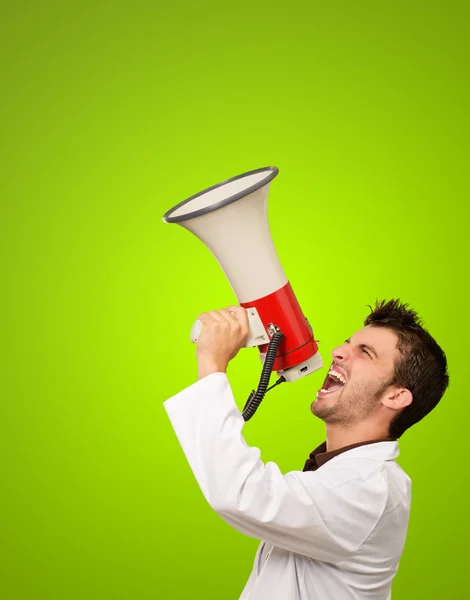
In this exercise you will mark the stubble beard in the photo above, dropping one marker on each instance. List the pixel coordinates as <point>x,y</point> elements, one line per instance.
<point>353,404</point>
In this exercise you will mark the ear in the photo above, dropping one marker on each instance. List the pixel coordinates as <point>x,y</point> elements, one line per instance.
<point>397,398</point>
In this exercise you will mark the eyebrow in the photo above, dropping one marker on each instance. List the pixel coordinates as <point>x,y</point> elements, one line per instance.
<point>348,341</point>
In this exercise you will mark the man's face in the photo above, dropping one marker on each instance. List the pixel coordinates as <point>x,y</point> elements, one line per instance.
<point>366,363</point>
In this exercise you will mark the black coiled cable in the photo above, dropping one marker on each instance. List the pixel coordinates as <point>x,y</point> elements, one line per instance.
<point>255,398</point>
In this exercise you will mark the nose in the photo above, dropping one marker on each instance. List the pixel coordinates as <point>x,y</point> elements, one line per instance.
<point>340,353</point>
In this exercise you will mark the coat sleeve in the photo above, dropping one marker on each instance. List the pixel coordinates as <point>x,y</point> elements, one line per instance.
<point>326,514</point>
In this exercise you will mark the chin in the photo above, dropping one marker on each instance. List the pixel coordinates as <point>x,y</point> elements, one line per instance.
<point>321,411</point>
<point>325,407</point>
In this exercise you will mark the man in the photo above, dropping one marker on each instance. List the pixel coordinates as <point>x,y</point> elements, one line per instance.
<point>336,530</point>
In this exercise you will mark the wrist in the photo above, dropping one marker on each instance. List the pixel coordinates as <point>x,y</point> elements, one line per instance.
<point>208,367</point>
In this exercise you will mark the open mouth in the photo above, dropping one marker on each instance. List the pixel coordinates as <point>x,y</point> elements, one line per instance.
<point>334,381</point>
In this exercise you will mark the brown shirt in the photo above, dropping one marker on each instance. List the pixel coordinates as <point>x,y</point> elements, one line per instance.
<point>320,456</point>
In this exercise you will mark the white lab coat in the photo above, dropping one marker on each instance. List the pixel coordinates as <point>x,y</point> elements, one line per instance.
<point>336,533</point>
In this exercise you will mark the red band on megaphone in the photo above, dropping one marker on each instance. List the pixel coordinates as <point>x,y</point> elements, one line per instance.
<point>281,308</point>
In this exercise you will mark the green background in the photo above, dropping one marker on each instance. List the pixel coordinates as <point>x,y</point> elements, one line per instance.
<point>112,113</point>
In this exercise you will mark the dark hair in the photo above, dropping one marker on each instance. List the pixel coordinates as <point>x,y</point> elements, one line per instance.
<point>422,366</point>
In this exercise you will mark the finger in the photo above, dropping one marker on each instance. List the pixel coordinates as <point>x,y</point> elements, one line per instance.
<point>241,314</point>
<point>217,316</point>
<point>209,317</point>
<point>230,316</point>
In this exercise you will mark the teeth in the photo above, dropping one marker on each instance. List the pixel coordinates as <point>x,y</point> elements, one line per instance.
<point>336,375</point>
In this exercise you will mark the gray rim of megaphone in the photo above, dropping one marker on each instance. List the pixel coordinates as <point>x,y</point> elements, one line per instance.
<point>273,171</point>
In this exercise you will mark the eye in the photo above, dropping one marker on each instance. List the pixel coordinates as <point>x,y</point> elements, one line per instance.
<point>364,350</point>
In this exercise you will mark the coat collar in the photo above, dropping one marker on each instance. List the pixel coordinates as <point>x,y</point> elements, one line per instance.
<point>320,456</point>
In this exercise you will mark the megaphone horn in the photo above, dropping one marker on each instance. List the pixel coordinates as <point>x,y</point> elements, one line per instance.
<point>231,219</point>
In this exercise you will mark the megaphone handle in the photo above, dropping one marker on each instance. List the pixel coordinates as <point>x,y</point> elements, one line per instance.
<point>257,334</point>
<point>196,330</point>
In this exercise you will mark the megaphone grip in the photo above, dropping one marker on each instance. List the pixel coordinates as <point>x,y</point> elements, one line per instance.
<point>196,330</point>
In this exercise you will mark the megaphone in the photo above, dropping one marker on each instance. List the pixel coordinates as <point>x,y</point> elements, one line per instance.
<point>231,219</point>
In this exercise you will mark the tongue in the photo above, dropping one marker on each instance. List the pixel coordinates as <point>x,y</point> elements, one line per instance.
<point>335,387</point>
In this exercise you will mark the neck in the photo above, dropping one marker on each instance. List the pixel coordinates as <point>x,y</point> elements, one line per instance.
<point>338,436</point>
